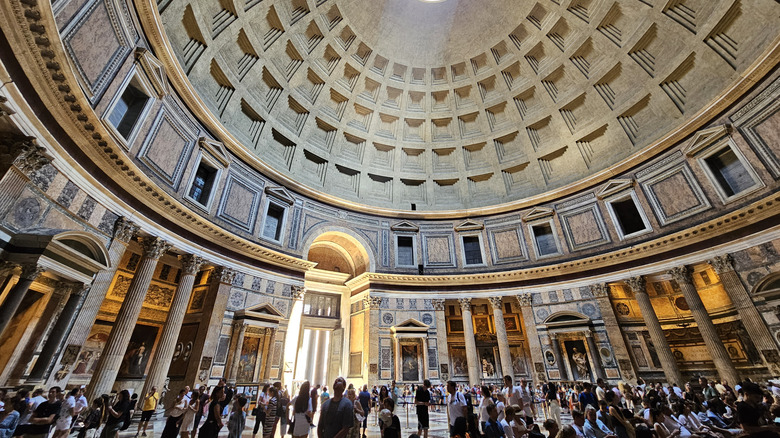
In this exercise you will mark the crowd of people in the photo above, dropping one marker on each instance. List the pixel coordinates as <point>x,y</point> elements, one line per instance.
<point>701,409</point>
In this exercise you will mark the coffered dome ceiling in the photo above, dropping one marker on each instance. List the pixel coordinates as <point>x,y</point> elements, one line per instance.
<point>460,103</point>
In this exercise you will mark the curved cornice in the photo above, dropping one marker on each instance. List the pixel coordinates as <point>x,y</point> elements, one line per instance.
<point>153,29</point>
<point>32,33</point>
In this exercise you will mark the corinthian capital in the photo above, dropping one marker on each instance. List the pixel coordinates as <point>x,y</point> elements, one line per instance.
<point>225,275</point>
<point>297,292</point>
<point>154,247</point>
<point>190,264</point>
<point>31,156</point>
<point>31,271</point>
<point>636,284</point>
<point>681,274</point>
<point>721,264</point>
<point>599,289</point>
<point>437,303</point>
<point>465,304</point>
<point>496,302</point>
<point>124,229</point>
<point>372,302</point>
<point>525,299</point>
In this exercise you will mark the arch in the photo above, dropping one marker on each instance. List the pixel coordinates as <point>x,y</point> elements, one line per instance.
<point>345,242</point>
<point>770,282</point>
<point>566,317</point>
<point>85,245</point>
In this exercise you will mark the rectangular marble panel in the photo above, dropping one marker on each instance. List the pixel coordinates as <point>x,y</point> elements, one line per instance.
<point>507,245</point>
<point>759,121</point>
<point>167,147</point>
<point>584,227</point>
<point>240,202</point>
<point>439,250</point>
<point>674,193</point>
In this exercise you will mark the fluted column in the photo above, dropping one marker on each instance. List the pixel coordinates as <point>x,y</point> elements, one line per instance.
<point>472,355</point>
<point>720,356</point>
<point>534,344</point>
<point>598,368</point>
<point>161,361</point>
<point>748,314</point>
<point>239,331</point>
<point>62,326</point>
<point>668,362</point>
<point>556,348</point>
<point>615,334</point>
<point>441,337</point>
<point>30,271</point>
<point>109,362</point>
<point>503,339</point>
<point>293,334</point>
<point>124,229</point>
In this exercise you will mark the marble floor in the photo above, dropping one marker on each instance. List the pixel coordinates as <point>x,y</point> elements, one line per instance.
<point>407,415</point>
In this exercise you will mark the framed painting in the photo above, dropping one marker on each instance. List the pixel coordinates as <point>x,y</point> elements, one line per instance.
<point>87,359</point>
<point>455,325</point>
<point>248,359</point>
<point>183,351</point>
<point>482,325</point>
<point>512,323</point>
<point>138,353</point>
<point>410,362</point>
<point>460,366</point>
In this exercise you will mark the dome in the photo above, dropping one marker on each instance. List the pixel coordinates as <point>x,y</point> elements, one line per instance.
<point>457,105</point>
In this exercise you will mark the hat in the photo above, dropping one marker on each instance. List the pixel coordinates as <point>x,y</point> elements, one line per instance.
<point>386,417</point>
<point>752,388</point>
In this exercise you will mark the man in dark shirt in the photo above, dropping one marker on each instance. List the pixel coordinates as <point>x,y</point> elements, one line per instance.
<point>45,415</point>
<point>750,413</point>
<point>336,416</point>
<point>587,397</point>
<point>365,402</point>
<point>422,399</point>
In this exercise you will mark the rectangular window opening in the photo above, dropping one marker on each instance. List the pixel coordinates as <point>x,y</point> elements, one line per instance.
<point>472,250</point>
<point>405,251</point>
<point>545,239</point>
<point>729,172</point>
<point>128,110</point>
<point>628,216</point>
<point>273,222</point>
<point>200,190</point>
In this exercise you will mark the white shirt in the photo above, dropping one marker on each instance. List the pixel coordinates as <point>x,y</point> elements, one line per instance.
<point>455,407</point>
<point>525,395</point>
<point>483,405</point>
<point>513,395</point>
<point>508,432</point>
<point>579,430</point>
<point>81,404</point>
<point>500,409</point>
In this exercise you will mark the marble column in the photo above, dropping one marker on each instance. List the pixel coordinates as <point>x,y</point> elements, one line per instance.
<point>239,331</point>
<point>108,365</point>
<point>442,349</point>
<point>30,271</point>
<point>210,328</point>
<point>748,314</point>
<point>269,353</point>
<point>293,335</point>
<point>668,362</point>
<point>472,355</point>
<point>720,356</point>
<point>161,361</point>
<point>124,230</point>
<point>614,332</point>
<point>598,368</point>
<point>534,345</point>
<point>559,360</point>
<point>503,339</point>
<point>374,361</point>
<point>52,346</point>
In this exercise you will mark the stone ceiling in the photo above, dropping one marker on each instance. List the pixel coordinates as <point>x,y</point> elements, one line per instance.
<point>461,103</point>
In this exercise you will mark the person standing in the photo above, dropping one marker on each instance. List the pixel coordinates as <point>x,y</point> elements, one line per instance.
<point>175,415</point>
<point>456,407</point>
<point>203,400</point>
<point>302,412</point>
<point>115,414</point>
<point>213,422</point>
<point>62,425</point>
<point>147,409</point>
<point>365,401</point>
<point>422,399</point>
<point>259,411</point>
<point>281,411</point>
<point>314,398</point>
<point>11,420</point>
<point>337,413</point>
<point>43,417</point>
<point>270,412</point>
<point>188,420</point>
<point>237,420</point>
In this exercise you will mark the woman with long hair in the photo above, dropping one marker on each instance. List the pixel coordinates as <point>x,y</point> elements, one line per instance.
<point>260,409</point>
<point>302,412</point>
<point>213,424</point>
<point>270,412</point>
<point>115,414</point>
<point>188,420</point>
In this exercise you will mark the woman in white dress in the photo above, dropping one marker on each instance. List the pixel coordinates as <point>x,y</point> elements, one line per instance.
<point>302,412</point>
<point>188,422</point>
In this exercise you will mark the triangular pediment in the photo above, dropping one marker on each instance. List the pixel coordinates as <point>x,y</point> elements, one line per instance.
<point>409,326</point>
<point>405,226</point>
<point>281,194</point>
<point>614,186</point>
<point>265,309</point>
<point>538,213</point>
<point>216,149</point>
<point>704,138</point>
<point>469,225</point>
<point>154,71</point>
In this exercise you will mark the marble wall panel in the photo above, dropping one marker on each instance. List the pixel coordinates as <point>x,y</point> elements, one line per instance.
<point>674,193</point>
<point>584,227</point>
<point>438,250</point>
<point>759,123</point>
<point>167,147</point>
<point>507,244</point>
<point>240,202</point>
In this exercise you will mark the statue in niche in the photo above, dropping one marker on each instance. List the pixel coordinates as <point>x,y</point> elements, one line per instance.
<point>579,360</point>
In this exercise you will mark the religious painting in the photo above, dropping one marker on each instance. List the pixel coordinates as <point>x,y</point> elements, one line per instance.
<point>460,366</point>
<point>487,360</point>
<point>511,323</point>
<point>248,359</point>
<point>518,361</point>
<point>183,351</point>
<point>91,350</point>
<point>578,360</point>
<point>410,362</point>
<point>481,325</point>
<point>138,352</point>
